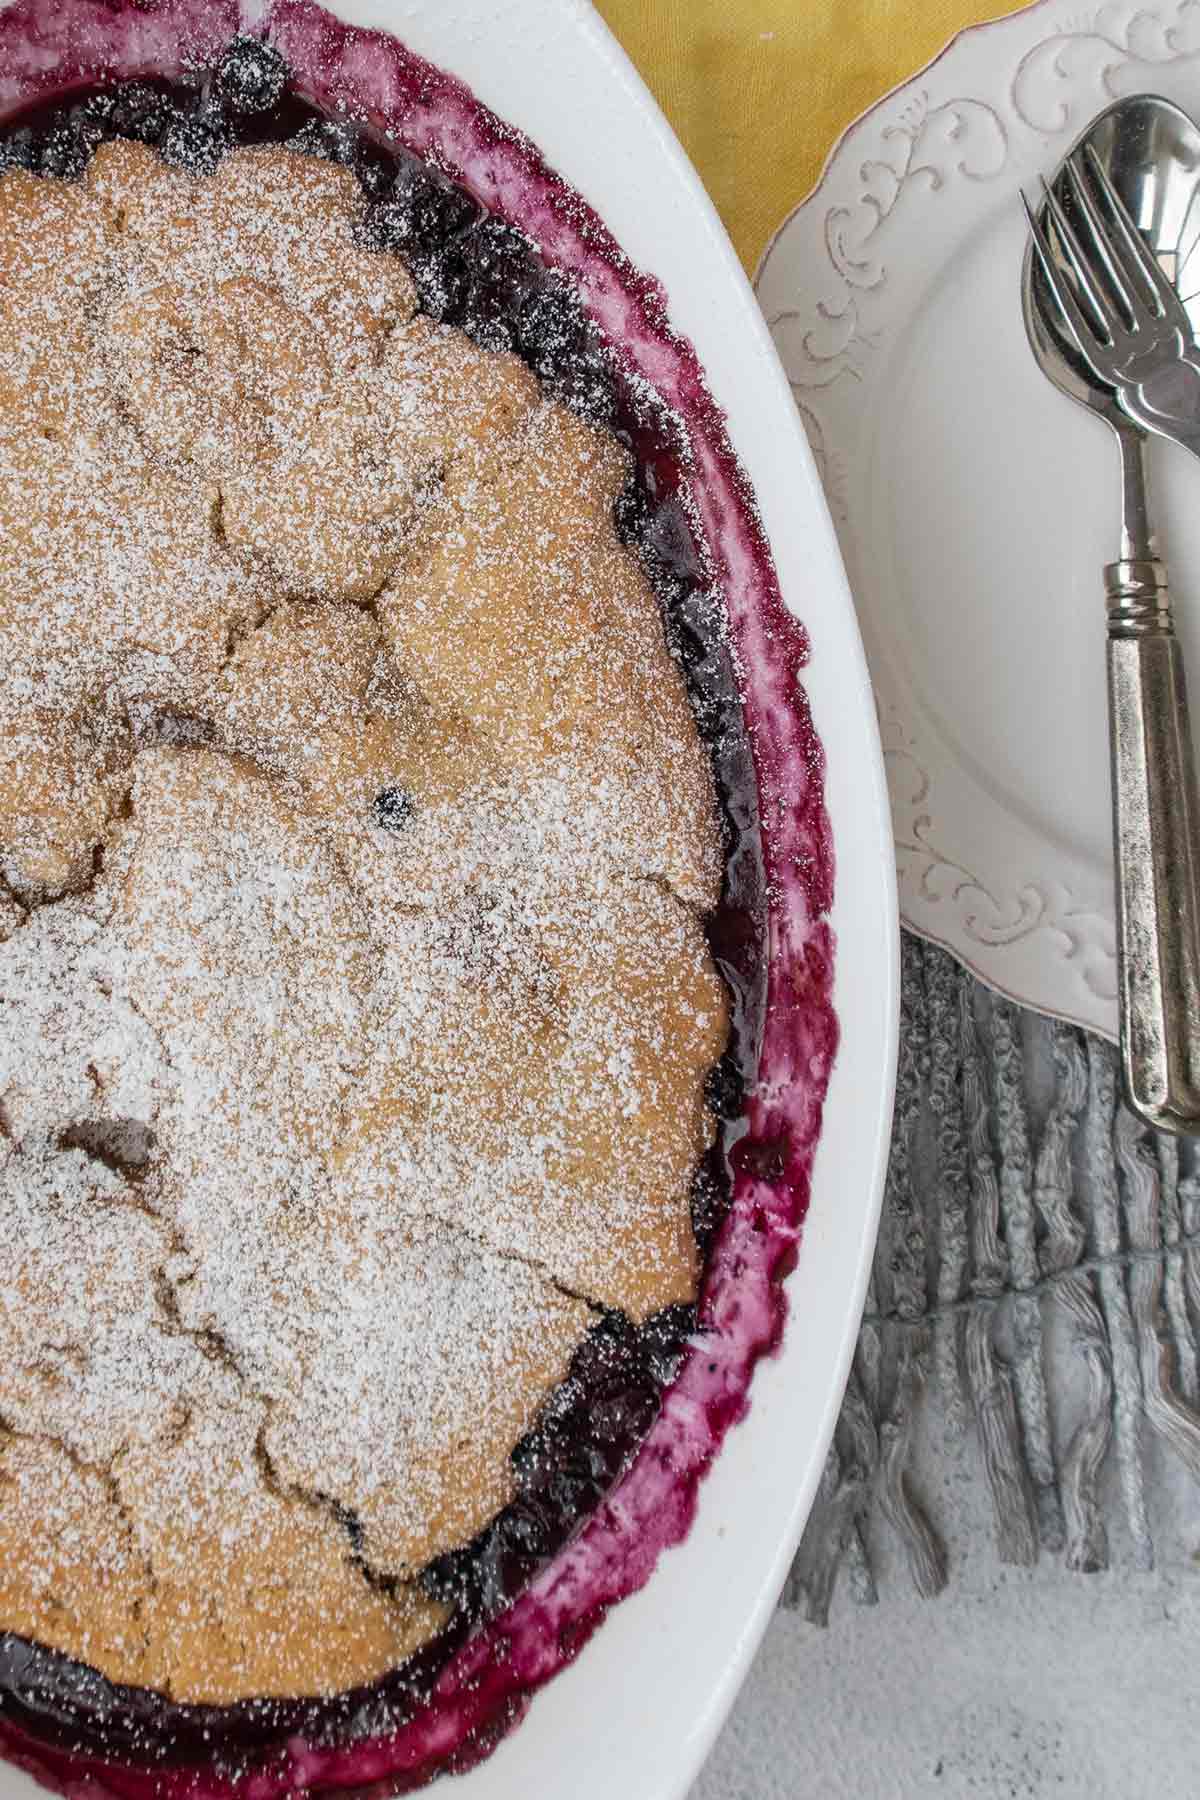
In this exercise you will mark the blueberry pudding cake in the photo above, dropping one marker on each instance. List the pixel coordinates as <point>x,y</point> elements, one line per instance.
<point>381,894</point>
<point>355,841</point>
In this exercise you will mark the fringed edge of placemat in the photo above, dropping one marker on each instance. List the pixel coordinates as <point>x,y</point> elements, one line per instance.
<point>1090,1211</point>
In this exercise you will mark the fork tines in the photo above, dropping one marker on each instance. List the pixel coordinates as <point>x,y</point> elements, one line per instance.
<point>1106,283</point>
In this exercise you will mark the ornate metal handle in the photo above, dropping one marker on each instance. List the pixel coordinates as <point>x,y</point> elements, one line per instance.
<point>1156,817</point>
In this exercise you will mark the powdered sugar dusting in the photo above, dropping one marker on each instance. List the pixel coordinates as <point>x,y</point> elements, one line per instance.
<point>371,1030</point>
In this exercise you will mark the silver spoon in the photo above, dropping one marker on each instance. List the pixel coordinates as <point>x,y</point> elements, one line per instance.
<point>1150,152</point>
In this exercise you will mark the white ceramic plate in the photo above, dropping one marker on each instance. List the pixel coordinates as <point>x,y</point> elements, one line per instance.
<point>636,1713</point>
<point>975,505</point>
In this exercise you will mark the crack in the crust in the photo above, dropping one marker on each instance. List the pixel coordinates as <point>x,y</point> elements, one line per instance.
<point>216,520</point>
<point>163,1046</point>
<point>107,1476</point>
<point>694,910</point>
<point>239,631</point>
<point>294,1492</point>
<point>213,1344</point>
<point>328,1506</point>
<point>597,1307</point>
<point>525,1259</point>
<point>377,1578</point>
<point>262,1456</point>
<point>121,809</point>
<point>116,811</point>
<point>287,1494</point>
<point>104,1473</point>
<point>208,1339</point>
<point>75,890</point>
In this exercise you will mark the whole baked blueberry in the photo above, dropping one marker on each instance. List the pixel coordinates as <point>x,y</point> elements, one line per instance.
<point>140,111</point>
<point>65,153</point>
<point>195,142</point>
<point>500,270</point>
<point>551,329</point>
<point>632,512</point>
<point>725,1088</point>
<point>441,284</point>
<point>19,151</point>
<point>333,140</point>
<point>251,76</point>
<point>394,808</point>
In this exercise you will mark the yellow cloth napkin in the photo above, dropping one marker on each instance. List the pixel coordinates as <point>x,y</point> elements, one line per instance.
<point>759,89</point>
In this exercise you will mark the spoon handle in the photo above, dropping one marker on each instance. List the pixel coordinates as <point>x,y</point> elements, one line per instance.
<point>1156,815</point>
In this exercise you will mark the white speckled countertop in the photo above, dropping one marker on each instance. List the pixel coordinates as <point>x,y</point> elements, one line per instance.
<point>1013,1683</point>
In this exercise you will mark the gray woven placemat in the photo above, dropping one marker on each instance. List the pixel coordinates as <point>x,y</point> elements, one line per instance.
<point>1025,1208</point>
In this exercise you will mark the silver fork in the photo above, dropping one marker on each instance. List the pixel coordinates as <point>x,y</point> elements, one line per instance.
<point>1131,328</point>
<point>1132,333</point>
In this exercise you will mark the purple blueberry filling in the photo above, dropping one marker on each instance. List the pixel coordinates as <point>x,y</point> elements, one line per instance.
<point>251,76</point>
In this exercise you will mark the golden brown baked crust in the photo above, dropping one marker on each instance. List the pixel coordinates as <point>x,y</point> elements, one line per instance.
<point>354,1001</point>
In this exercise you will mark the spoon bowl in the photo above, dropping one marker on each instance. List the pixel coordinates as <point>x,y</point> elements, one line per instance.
<point>1150,150</point>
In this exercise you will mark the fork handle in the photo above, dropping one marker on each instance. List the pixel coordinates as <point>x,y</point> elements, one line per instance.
<point>1156,817</point>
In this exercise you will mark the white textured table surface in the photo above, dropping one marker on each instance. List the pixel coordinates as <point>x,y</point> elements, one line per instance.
<point>1014,1682</point>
